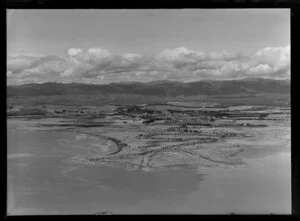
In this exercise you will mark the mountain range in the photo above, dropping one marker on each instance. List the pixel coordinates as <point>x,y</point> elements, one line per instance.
<point>156,88</point>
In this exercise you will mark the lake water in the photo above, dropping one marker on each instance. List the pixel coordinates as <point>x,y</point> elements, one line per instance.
<point>43,180</point>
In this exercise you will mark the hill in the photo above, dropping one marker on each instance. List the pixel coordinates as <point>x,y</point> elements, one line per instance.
<point>156,88</point>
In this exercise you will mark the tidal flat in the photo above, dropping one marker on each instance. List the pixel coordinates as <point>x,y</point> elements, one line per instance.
<point>177,157</point>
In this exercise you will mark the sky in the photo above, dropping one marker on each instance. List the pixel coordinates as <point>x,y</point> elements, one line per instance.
<point>103,46</point>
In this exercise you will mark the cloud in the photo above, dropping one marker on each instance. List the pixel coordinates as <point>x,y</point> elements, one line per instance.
<point>98,65</point>
<point>98,53</point>
<point>278,58</point>
<point>17,64</point>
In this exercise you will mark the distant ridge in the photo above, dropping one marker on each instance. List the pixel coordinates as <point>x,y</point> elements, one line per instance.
<point>155,88</point>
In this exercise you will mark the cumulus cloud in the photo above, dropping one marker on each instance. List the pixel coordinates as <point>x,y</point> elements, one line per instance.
<point>17,64</point>
<point>98,65</point>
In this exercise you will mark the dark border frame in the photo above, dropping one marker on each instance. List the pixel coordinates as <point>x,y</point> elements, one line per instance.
<point>293,5</point>
<point>86,4</point>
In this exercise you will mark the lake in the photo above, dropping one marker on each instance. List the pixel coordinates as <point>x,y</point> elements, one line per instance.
<point>43,180</point>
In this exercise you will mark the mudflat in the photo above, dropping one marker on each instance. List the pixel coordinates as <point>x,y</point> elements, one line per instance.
<point>179,157</point>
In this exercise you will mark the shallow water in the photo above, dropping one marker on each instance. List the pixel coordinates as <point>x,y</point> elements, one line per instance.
<point>43,180</point>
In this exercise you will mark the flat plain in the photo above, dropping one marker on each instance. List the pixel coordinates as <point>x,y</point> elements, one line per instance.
<point>170,138</point>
